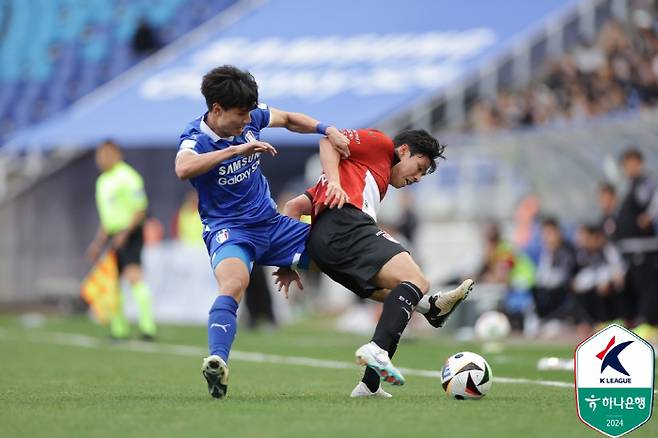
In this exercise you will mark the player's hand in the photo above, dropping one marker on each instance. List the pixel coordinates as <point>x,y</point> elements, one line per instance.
<point>254,147</point>
<point>119,239</point>
<point>336,196</point>
<point>284,277</point>
<point>338,141</point>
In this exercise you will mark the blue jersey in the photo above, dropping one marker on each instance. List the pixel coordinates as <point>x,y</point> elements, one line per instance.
<point>235,192</point>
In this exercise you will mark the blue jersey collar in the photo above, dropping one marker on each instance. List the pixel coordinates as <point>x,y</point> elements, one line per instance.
<point>210,133</point>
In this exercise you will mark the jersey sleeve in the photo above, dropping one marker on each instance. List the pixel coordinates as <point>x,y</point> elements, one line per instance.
<point>189,144</point>
<point>260,116</point>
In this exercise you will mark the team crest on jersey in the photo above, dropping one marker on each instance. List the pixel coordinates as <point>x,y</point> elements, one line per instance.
<point>250,136</point>
<point>385,235</point>
<point>222,236</point>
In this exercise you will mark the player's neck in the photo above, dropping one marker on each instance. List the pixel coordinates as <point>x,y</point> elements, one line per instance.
<point>396,158</point>
<point>213,125</point>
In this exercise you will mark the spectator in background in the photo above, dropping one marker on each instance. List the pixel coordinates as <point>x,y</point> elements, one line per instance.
<point>527,227</point>
<point>638,241</point>
<point>617,70</point>
<point>557,266</point>
<point>599,280</point>
<point>122,203</point>
<point>505,266</point>
<point>145,41</point>
<point>408,221</point>
<point>608,203</point>
<point>188,227</point>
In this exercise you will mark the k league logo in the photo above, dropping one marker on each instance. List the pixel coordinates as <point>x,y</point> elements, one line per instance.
<point>614,373</point>
<point>610,358</point>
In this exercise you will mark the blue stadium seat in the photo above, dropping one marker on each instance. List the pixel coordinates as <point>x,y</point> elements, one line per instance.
<point>55,51</point>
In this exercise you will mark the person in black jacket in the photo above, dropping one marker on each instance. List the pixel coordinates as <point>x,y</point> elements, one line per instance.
<point>637,238</point>
<point>557,266</point>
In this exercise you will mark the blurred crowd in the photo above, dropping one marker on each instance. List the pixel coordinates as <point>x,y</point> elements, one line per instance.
<point>598,273</point>
<point>618,70</point>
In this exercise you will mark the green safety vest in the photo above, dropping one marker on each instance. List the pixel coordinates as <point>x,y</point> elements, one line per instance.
<point>119,195</point>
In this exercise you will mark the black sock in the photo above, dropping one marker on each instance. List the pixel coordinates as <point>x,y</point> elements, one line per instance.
<point>370,376</point>
<point>398,307</point>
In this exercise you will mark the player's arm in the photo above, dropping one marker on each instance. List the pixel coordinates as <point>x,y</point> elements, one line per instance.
<point>330,160</point>
<point>190,164</point>
<point>96,245</point>
<point>297,207</point>
<point>119,239</point>
<point>302,123</point>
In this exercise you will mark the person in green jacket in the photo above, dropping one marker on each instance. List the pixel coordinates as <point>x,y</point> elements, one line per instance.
<point>121,202</point>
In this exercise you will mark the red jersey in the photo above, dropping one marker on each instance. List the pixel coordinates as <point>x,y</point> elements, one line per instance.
<point>364,175</point>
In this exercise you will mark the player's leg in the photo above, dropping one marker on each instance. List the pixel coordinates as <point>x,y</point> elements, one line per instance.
<point>435,307</point>
<point>231,266</point>
<point>232,275</point>
<point>407,283</point>
<point>142,294</point>
<point>130,259</point>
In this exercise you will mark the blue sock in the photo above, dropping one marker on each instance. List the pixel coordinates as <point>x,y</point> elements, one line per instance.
<point>222,325</point>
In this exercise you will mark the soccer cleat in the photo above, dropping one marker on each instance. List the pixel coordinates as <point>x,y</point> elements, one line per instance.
<point>362,391</point>
<point>373,356</point>
<point>442,304</point>
<point>215,371</point>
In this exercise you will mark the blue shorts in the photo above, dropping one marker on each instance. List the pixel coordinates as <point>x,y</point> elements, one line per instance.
<point>280,241</point>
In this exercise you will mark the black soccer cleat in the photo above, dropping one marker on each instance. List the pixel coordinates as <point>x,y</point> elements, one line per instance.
<point>442,304</point>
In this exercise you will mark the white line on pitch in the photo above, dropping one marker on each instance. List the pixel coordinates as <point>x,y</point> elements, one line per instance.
<point>74,340</point>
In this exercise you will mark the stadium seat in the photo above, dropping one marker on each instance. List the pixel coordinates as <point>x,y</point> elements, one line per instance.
<point>72,46</point>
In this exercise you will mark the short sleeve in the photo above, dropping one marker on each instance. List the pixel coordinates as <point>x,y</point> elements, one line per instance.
<point>260,116</point>
<point>368,145</point>
<point>188,144</point>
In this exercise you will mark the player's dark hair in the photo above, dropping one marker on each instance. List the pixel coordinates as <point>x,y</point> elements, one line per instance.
<point>632,153</point>
<point>420,142</point>
<point>230,87</point>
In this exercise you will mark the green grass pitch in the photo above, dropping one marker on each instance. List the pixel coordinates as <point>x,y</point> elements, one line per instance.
<point>65,379</point>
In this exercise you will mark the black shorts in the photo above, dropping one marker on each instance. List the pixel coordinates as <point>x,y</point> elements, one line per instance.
<point>349,247</point>
<point>131,252</point>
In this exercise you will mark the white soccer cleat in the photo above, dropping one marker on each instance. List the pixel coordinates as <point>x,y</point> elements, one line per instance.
<point>215,371</point>
<point>361,391</point>
<point>373,356</point>
<point>442,304</point>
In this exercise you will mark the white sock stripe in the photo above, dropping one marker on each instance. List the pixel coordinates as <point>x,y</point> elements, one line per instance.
<point>413,287</point>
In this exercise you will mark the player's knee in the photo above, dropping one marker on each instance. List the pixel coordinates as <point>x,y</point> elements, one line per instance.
<point>234,287</point>
<point>133,274</point>
<point>422,283</point>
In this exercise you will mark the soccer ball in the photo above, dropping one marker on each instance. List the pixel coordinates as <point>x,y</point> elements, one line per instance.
<point>492,326</point>
<point>466,375</point>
